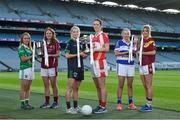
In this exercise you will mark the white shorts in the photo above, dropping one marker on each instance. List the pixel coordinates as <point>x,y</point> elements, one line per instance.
<point>125,70</point>
<point>26,74</point>
<point>147,69</point>
<point>99,68</point>
<point>49,72</point>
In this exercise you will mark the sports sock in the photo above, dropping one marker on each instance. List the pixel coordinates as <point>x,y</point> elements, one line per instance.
<point>56,99</point>
<point>103,104</point>
<point>149,102</point>
<point>47,98</point>
<point>22,102</point>
<point>119,101</point>
<point>27,101</point>
<point>68,104</point>
<point>75,103</point>
<point>130,100</point>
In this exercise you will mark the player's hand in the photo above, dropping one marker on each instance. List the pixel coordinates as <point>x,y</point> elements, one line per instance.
<point>125,53</point>
<point>134,51</point>
<point>95,50</point>
<point>82,54</point>
<point>139,53</point>
<point>35,55</point>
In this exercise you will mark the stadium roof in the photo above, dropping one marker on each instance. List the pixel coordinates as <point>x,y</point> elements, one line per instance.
<point>159,4</point>
<point>169,6</point>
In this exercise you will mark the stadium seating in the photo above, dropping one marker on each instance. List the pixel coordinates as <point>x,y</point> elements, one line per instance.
<point>34,37</point>
<point>83,14</point>
<point>71,12</point>
<point>64,39</point>
<point>11,59</point>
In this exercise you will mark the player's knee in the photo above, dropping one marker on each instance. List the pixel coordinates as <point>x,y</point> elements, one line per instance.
<point>149,88</point>
<point>121,87</point>
<point>130,86</point>
<point>54,86</point>
<point>69,89</point>
<point>26,89</point>
<point>75,89</point>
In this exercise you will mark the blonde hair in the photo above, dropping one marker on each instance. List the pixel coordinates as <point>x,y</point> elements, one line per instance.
<point>21,39</point>
<point>126,30</point>
<point>75,28</point>
<point>54,38</point>
<point>148,27</point>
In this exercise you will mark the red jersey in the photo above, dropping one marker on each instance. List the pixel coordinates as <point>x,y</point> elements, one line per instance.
<point>98,42</point>
<point>53,61</point>
<point>149,45</point>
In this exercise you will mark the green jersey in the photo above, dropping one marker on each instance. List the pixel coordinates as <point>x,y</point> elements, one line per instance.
<point>24,50</point>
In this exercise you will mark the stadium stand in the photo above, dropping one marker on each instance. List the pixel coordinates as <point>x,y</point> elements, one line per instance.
<point>71,12</point>
<point>165,26</point>
<point>11,59</point>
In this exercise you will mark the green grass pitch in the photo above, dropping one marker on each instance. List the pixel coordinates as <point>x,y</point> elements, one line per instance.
<point>166,98</point>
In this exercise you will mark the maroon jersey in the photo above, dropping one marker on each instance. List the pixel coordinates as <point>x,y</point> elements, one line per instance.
<point>53,61</point>
<point>149,45</point>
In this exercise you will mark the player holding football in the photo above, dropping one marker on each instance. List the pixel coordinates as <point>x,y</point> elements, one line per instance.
<point>25,72</point>
<point>147,68</point>
<point>100,43</point>
<point>49,68</point>
<point>125,68</point>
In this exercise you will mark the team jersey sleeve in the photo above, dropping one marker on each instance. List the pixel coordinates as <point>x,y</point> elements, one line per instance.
<point>117,46</point>
<point>67,49</point>
<point>21,51</point>
<point>105,38</point>
<point>152,46</point>
<point>58,47</point>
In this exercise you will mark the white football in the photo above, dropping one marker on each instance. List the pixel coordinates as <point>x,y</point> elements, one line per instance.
<point>86,110</point>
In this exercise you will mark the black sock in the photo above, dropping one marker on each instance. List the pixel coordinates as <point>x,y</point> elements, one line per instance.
<point>22,102</point>
<point>75,103</point>
<point>68,105</point>
<point>27,101</point>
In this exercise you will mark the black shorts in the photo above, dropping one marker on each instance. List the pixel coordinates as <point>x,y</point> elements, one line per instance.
<point>77,74</point>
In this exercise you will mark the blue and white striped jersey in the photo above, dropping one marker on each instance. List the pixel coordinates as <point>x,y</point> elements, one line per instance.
<point>123,46</point>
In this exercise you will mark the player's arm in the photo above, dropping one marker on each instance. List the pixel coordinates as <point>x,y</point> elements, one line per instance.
<point>23,55</point>
<point>25,58</point>
<point>57,51</point>
<point>153,52</point>
<point>55,55</point>
<point>118,53</point>
<point>67,51</point>
<point>83,54</point>
<point>104,48</point>
<point>69,56</point>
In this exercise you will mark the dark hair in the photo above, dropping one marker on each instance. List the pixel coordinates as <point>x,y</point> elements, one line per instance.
<point>99,20</point>
<point>54,39</point>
